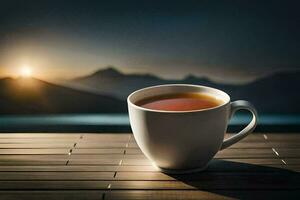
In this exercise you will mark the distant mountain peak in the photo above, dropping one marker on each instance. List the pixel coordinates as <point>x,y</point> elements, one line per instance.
<point>190,76</point>
<point>193,77</point>
<point>108,71</point>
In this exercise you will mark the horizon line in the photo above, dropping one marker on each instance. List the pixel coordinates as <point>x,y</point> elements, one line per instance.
<point>55,80</point>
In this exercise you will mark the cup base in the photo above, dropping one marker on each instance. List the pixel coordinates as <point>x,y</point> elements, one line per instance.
<point>182,171</point>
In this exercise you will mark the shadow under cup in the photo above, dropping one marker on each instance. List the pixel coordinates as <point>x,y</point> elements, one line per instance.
<point>179,141</point>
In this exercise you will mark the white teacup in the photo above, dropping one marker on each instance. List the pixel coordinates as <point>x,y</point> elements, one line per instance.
<point>184,141</point>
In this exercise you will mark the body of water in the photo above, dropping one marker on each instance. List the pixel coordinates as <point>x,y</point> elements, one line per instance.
<point>84,122</point>
<point>123,119</point>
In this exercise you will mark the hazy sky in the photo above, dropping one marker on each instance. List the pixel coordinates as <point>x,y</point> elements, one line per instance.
<point>231,41</point>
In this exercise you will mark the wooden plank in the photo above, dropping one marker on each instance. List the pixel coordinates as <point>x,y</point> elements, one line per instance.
<point>207,195</point>
<point>34,151</point>
<point>63,185</point>
<point>133,145</point>
<point>249,166</point>
<point>107,137</point>
<point>52,195</point>
<point>142,176</point>
<point>104,139</point>
<point>53,185</point>
<point>40,135</point>
<point>107,156</point>
<point>150,194</point>
<point>276,137</point>
<point>36,146</point>
<point>220,165</point>
<point>98,151</point>
<point>133,151</point>
<point>214,166</point>
<point>136,162</point>
<point>30,163</point>
<point>77,168</point>
<point>94,162</point>
<point>210,183</point>
<point>56,175</point>
<point>246,153</point>
<point>221,180</point>
<point>33,159</point>
<point>288,153</point>
<point>150,185</point>
<point>265,144</point>
<point>95,145</point>
<point>164,195</point>
<point>292,161</point>
<point>36,140</point>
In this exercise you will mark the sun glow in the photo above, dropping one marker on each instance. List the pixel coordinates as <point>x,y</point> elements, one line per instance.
<point>25,72</point>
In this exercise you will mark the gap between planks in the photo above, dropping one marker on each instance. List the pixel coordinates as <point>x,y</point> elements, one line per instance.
<point>73,147</point>
<point>120,163</point>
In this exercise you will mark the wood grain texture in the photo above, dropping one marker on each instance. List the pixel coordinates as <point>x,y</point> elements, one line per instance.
<point>107,136</point>
<point>51,195</point>
<point>246,153</point>
<point>292,161</point>
<point>36,145</point>
<point>111,166</point>
<point>88,162</point>
<point>292,138</point>
<point>223,179</point>
<point>106,156</point>
<point>34,151</point>
<point>207,195</point>
<point>56,175</point>
<point>288,153</point>
<point>53,185</point>
<point>33,159</point>
<point>93,144</point>
<point>99,151</point>
<point>36,140</point>
<point>76,168</point>
<point>40,135</point>
<point>152,194</point>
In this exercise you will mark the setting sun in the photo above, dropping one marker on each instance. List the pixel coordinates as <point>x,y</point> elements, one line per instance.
<point>26,71</point>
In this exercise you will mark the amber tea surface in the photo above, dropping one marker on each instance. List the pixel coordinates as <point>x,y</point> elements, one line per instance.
<point>180,102</point>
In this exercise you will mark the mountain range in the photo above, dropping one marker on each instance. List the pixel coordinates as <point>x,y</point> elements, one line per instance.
<point>277,93</point>
<point>34,96</point>
<point>105,91</point>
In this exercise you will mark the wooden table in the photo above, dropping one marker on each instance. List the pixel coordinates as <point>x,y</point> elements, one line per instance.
<point>111,166</point>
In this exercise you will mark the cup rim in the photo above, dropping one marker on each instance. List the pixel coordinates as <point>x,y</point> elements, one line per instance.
<point>171,85</point>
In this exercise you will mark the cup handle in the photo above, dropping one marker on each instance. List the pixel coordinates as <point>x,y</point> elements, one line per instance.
<point>235,106</point>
